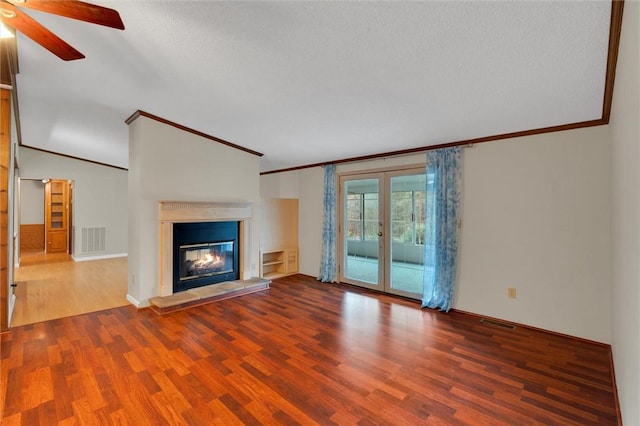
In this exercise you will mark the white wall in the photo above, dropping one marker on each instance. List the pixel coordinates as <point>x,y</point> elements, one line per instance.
<point>625,201</point>
<point>535,217</point>
<point>168,164</point>
<point>31,202</point>
<point>310,207</point>
<point>99,195</point>
<point>280,185</point>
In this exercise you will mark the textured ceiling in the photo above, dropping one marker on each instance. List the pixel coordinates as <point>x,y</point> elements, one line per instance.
<point>307,82</point>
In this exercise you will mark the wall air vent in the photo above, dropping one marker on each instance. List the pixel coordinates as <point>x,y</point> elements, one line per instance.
<point>93,240</point>
<point>499,324</point>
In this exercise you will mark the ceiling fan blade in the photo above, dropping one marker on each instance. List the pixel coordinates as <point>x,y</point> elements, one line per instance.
<point>75,9</point>
<point>36,32</point>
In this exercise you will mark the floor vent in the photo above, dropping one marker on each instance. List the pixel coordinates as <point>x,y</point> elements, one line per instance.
<point>497,323</point>
<point>93,240</point>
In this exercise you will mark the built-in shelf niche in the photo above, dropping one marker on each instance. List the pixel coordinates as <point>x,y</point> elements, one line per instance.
<point>279,237</point>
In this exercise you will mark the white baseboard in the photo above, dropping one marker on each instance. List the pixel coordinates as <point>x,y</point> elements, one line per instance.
<point>106,256</point>
<point>12,304</point>
<point>135,302</point>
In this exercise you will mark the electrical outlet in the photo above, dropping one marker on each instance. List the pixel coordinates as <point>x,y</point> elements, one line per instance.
<point>511,291</point>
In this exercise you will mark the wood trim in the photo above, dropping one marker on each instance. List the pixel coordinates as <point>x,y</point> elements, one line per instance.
<point>32,236</point>
<point>140,113</point>
<point>73,157</point>
<point>8,70</point>
<point>615,29</point>
<point>8,61</point>
<point>473,141</point>
<point>542,330</point>
<point>5,150</point>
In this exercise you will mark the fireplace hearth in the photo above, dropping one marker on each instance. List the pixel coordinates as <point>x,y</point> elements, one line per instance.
<point>205,253</point>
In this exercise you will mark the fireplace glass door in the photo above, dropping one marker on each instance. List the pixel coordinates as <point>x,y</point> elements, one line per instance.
<point>205,260</point>
<point>205,253</point>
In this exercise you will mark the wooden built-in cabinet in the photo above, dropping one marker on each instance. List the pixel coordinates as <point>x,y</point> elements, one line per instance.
<point>57,216</point>
<point>279,237</point>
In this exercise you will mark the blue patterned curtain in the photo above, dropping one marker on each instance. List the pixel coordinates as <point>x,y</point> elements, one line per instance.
<point>444,173</point>
<point>328,267</point>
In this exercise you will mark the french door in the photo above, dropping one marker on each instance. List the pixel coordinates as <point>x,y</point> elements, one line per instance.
<point>382,230</point>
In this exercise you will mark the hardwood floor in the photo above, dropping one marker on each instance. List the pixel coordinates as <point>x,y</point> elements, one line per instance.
<point>39,257</point>
<point>54,286</point>
<point>304,353</point>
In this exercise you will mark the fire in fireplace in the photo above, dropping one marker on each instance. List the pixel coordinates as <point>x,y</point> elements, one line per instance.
<point>202,260</point>
<point>204,253</point>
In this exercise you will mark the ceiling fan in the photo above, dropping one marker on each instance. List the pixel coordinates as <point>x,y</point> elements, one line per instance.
<point>12,15</point>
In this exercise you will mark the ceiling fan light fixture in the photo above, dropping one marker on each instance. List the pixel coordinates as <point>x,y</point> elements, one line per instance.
<point>5,32</point>
<point>6,13</point>
<point>15,18</point>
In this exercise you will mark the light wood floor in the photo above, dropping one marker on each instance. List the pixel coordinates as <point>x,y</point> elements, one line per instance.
<point>54,286</point>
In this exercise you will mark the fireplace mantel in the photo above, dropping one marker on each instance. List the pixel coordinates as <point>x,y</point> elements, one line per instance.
<point>170,212</point>
<point>180,211</point>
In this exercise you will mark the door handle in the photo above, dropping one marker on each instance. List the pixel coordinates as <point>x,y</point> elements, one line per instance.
<point>380,234</point>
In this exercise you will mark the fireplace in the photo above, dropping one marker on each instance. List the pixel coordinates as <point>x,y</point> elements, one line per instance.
<point>204,253</point>
<point>172,213</point>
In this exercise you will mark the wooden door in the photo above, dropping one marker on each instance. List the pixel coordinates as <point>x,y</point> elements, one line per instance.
<point>57,216</point>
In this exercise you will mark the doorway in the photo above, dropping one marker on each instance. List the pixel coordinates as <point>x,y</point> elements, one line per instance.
<point>382,230</point>
<point>45,216</point>
<point>50,284</point>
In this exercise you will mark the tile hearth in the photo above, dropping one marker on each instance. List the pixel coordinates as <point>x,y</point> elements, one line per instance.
<point>207,294</point>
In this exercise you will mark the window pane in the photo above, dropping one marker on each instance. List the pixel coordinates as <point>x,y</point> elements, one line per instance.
<point>354,231</point>
<point>407,257</point>
<point>371,216</point>
<point>401,213</point>
<point>419,215</point>
<point>354,216</point>
<point>430,211</point>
